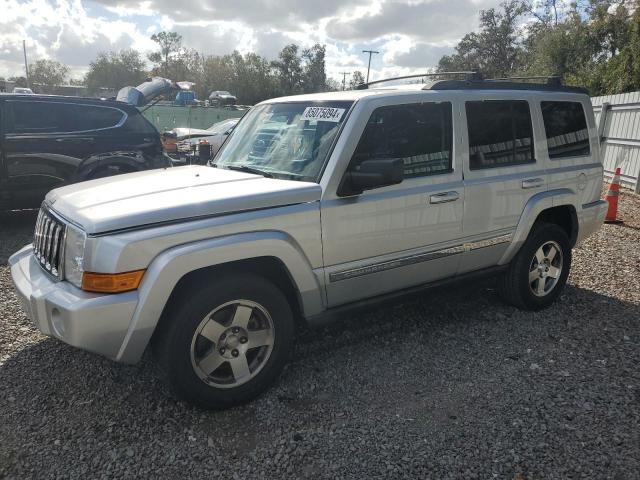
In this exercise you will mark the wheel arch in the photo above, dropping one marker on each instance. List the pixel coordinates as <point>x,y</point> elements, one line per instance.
<point>269,267</point>
<point>279,260</point>
<point>131,161</point>
<point>553,206</point>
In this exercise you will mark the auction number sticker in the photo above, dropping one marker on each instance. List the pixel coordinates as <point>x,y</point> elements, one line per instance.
<point>322,114</point>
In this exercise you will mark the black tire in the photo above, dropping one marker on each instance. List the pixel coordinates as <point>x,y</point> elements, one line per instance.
<point>174,341</point>
<point>514,286</point>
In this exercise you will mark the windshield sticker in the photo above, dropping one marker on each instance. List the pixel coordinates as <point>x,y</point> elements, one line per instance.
<point>322,114</point>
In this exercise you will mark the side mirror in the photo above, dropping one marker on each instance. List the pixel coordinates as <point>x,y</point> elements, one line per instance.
<point>370,174</point>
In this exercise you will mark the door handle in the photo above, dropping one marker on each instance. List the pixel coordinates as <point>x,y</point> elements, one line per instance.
<point>533,183</point>
<point>444,197</point>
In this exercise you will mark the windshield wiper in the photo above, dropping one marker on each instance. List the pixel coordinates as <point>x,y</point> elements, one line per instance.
<point>248,169</point>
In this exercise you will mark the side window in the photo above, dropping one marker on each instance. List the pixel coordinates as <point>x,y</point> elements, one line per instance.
<point>420,134</point>
<point>40,117</point>
<point>566,128</point>
<point>138,124</point>
<point>500,133</point>
<point>56,117</point>
<point>96,117</point>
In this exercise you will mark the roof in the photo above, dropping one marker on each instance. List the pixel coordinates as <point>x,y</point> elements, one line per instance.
<point>64,98</point>
<point>349,95</point>
<point>428,87</point>
<point>459,81</point>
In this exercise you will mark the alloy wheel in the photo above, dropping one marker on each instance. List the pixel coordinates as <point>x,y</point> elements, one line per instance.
<point>232,343</point>
<point>545,268</point>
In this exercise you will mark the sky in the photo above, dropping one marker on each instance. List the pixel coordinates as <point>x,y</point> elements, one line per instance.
<point>411,35</point>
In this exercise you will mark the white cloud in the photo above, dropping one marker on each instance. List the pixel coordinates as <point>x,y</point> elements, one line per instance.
<point>410,34</point>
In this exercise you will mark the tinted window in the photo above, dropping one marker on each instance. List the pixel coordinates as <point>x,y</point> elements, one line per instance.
<point>96,118</point>
<point>58,117</point>
<point>137,123</point>
<point>420,134</point>
<point>566,129</point>
<point>500,133</point>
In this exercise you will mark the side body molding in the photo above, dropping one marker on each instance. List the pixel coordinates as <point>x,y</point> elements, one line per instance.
<point>536,204</point>
<point>171,265</point>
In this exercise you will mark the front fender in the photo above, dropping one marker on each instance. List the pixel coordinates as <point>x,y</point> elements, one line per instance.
<point>536,205</point>
<point>166,270</point>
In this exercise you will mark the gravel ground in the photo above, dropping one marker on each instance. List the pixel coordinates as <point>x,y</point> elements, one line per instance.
<point>452,385</point>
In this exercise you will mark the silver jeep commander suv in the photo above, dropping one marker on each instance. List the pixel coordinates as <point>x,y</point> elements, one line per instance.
<point>316,204</point>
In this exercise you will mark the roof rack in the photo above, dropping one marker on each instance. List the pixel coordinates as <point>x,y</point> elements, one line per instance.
<point>474,80</point>
<point>467,75</point>
<point>552,84</point>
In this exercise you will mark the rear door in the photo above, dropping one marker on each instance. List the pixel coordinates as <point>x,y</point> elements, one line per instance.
<point>501,173</point>
<point>572,145</point>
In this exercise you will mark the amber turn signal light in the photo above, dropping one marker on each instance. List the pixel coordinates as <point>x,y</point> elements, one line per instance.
<point>111,282</point>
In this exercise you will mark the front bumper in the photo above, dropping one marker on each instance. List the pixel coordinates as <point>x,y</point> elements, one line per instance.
<point>591,218</point>
<point>93,322</point>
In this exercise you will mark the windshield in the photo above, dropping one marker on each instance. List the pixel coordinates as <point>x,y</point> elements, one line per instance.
<point>285,140</point>
<point>222,127</point>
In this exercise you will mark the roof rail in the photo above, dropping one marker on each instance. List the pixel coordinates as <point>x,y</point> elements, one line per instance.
<point>467,75</point>
<point>554,80</point>
<point>551,84</point>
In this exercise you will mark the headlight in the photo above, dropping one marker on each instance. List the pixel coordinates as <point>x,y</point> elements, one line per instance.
<point>74,255</point>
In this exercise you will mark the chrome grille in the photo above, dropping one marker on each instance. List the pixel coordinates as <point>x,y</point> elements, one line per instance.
<point>48,242</point>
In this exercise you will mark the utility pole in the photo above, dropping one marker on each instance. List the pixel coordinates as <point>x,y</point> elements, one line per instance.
<point>26,66</point>
<point>370,52</point>
<point>344,78</point>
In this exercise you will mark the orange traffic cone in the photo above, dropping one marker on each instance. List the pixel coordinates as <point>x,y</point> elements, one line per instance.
<point>612,198</point>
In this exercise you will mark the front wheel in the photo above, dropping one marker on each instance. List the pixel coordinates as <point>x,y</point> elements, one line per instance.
<point>226,342</point>
<point>538,273</point>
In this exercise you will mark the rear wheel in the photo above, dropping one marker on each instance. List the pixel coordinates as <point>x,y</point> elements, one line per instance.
<point>226,342</point>
<point>538,273</point>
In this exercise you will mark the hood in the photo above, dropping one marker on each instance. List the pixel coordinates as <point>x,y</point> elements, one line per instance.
<point>157,196</point>
<point>146,91</point>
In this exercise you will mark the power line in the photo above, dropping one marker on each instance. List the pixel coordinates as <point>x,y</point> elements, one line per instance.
<point>344,78</point>
<point>370,52</point>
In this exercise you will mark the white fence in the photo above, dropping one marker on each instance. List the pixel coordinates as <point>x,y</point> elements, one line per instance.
<point>618,120</point>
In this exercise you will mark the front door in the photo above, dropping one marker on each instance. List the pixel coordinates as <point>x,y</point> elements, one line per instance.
<point>397,236</point>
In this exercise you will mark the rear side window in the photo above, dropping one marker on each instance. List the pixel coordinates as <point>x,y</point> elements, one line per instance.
<point>97,118</point>
<point>500,133</point>
<point>137,123</point>
<point>566,128</point>
<point>58,117</point>
<point>420,134</point>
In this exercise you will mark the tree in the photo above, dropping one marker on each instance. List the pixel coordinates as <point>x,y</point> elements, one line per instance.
<point>170,43</point>
<point>48,73</point>
<point>623,72</point>
<point>289,70</point>
<point>314,76</point>
<point>115,70</point>
<point>496,49</point>
<point>562,49</point>
<point>18,81</point>
<point>357,78</point>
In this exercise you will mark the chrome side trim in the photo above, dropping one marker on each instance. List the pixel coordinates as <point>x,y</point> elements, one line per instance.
<point>489,242</point>
<point>418,258</point>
